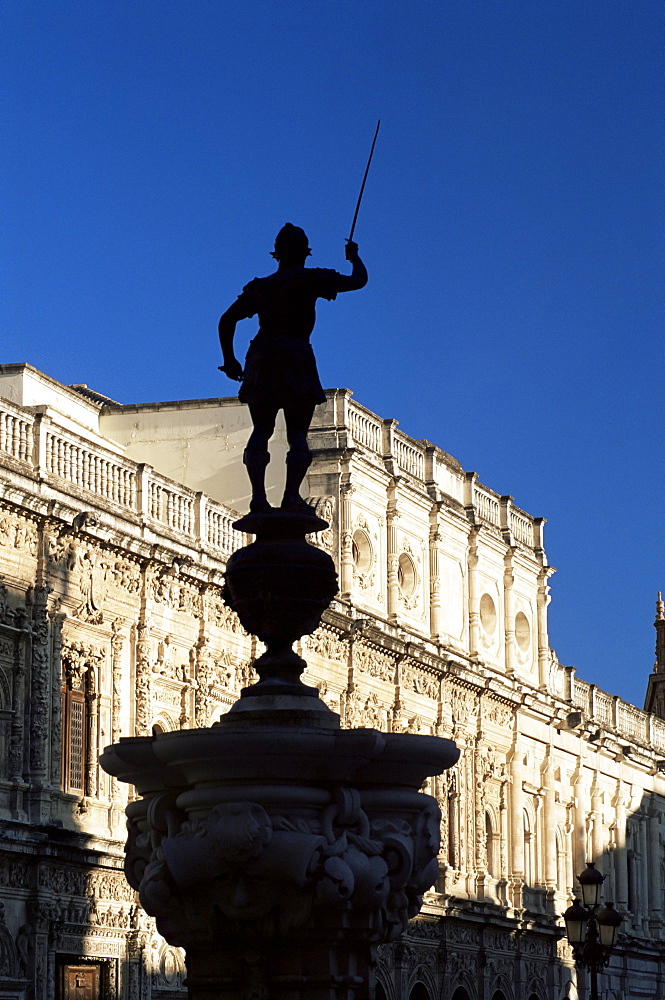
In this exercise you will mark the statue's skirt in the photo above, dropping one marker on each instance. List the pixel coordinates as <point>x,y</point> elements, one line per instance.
<point>280,372</point>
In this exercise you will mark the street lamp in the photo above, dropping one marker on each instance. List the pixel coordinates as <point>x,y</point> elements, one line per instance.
<point>592,932</point>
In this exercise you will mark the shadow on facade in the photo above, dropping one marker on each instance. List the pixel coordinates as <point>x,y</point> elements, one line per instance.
<point>504,939</point>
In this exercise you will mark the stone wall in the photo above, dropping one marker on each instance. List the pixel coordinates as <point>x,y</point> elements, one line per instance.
<point>112,622</point>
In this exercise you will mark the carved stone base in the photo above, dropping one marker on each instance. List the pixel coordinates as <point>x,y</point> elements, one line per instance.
<point>279,855</point>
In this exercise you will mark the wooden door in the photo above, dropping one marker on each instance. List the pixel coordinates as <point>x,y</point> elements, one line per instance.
<point>80,982</point>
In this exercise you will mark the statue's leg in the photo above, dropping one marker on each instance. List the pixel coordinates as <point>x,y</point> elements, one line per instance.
<point>299,457</point>
<point>256,455</point>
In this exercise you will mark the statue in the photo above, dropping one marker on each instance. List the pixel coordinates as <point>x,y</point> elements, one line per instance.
<point>280,369</point>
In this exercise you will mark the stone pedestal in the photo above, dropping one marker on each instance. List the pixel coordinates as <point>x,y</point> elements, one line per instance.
<point>277,849</point>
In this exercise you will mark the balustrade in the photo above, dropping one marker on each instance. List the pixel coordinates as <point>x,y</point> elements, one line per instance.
<point>171,505</point>
<point>521,527</point>
<point>15,435</point>
<point>487,505</point>
<point>604,707</point>
<point>96,471</point>
<point>632,722</point>
<point>409,458</point>
<point>366,429</point>
<point>219,530</point>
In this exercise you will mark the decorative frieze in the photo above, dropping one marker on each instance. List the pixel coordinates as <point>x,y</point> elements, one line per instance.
<point>18,533</point>
<point>374,662</point>
<point>422,682</point>
<point>326,644</point>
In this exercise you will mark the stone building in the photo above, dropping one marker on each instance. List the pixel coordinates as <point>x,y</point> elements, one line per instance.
<point>115,526</point>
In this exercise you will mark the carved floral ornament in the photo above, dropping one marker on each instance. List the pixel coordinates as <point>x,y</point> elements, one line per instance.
<point>77,659</point>
<point>274,871</point>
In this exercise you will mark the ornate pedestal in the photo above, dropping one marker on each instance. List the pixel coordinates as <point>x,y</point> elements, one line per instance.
<point>277,849</point>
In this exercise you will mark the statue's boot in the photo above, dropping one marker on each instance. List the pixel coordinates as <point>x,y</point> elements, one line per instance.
<point>297,464</point>
<point>256,461</point>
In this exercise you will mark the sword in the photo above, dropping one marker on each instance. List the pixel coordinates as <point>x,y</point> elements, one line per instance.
<point>362,186</point>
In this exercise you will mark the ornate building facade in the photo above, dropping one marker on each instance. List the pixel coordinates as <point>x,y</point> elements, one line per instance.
<point>115,526</point>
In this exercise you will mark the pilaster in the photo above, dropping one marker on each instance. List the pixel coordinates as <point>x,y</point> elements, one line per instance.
<point>392,515</point>
<point>509,611</point>
<point>436,618</point>
<point>346,541</point>
<point>474,595</point>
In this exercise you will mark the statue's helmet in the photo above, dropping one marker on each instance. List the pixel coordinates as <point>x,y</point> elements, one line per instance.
<point>291,241</point>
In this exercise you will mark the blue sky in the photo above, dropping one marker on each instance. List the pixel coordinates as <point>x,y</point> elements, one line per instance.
<point>512,226</point>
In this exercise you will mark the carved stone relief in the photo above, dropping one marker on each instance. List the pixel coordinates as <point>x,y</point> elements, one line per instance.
<point>366,714</point>
<point>374,662</point>
<point>217,613</point>
<point>417,679</point>
<point>326,644</point>
<point>324,507</point>
<point>18,533</point>
<point>168,586</point>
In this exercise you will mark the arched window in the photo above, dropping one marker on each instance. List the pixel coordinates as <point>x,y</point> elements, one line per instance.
<point>498,995</point>
<point>419,993</point>
<point>460,994</point>
<point>379,992</point>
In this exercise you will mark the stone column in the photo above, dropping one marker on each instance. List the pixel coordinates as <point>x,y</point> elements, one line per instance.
<point>91,688</point>
<point>436,618</point>
<point>549,820</point>
<point>346,542</point>
<point>143,667</point>
<point>543,600</point>
<point>504,831</point>
<point>17,732</point>
<point>580,810</point>
<point>117,645</point>
<point>56,702</point>
<point>474,595</point>
<point>597,844</point>
<point>644,888</point>
<point>39,707</point>
<point>516,866</point>
<point>620,854</point>
<point>392,516</point>
<point>509,611</point>
<point>479,778</point>
<point>655,874</point>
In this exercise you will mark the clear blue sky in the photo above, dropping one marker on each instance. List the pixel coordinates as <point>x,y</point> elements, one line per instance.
<point>512,225</point>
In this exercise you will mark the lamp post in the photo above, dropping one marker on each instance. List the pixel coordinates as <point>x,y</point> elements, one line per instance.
<point>592,929</point>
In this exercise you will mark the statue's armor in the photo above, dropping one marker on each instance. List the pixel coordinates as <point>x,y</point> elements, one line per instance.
<point>280,368</point>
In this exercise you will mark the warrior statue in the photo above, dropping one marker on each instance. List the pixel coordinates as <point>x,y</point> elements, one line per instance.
<point>280,370</point>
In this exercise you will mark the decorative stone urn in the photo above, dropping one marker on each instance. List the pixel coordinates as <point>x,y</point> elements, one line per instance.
<point>276,848</point>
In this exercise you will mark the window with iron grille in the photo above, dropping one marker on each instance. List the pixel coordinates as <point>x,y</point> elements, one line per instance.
<point>74,740</point>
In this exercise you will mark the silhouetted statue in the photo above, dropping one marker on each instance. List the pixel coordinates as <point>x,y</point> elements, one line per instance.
<point>280,370</point>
